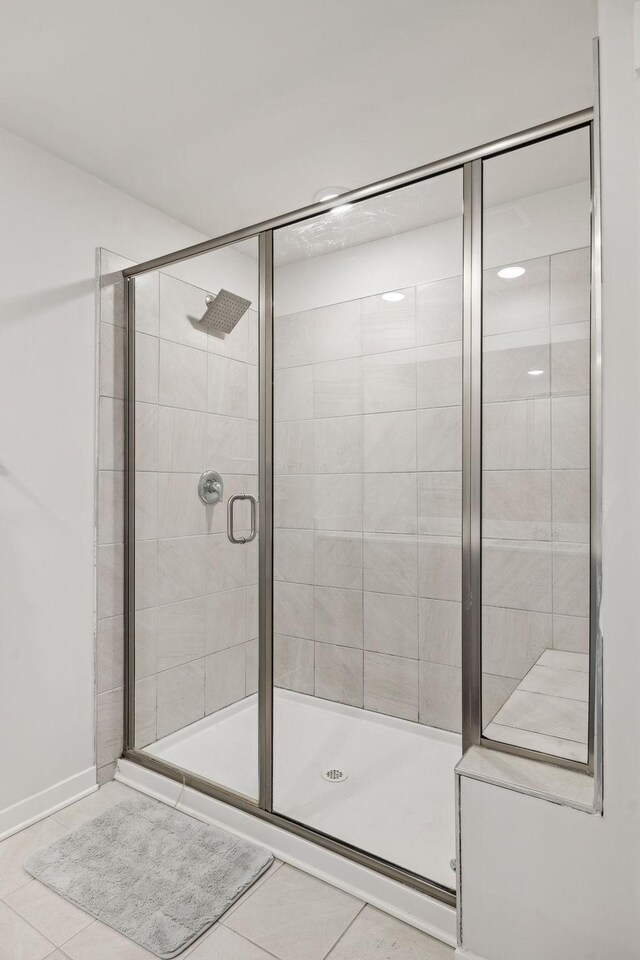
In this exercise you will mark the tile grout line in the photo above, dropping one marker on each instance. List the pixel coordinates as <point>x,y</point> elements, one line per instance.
<point>344,932</point>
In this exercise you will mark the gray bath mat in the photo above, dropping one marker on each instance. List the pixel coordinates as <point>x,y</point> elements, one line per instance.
<point>156,875</point>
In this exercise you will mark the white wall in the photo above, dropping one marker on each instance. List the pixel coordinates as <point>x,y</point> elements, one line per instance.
<point>539,880</point>
<point>53,218</point>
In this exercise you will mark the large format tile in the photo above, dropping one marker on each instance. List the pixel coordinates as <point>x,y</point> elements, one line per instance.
<point>374,934</point>
<point>339,674</point>
<point>227,390</point>
<point>516,435</point>
<point>182,436</point>
<point>180,697</point>
<point>512,640</point>
<point>440,503</point>
<point>231,445</point>
<point>19,941</point>
<point>336,331</point>
<point>516,504</point>
<point>389,442</point>
<point>15,849</point>
<point>571,684</point>
<point>570,433</point>
<point>389,324</point>
<point>551,716</point>
<point>145,711</point>
<point>517,573</point>
<point>226,619</point>
<point>571,493</point>
<point>571,633</point>
<point>293,340</point>
<point>337,559</point>
<point>293,663</point>
<point>571,579</point>
<point>183,376</point>
<point>338,445</point>
<point>110,726</point>
<point>506,370</point>
<point>111,434</point>
<point>440,438</point>
<point>146,574</point>
<point>293,502</point>
<point>439,568</point>
<point>181,568</point>
<point>293,447</point>
<point>440,631</point>
<point>563,660</point>
<point>439,375</point>
<point>146,443</point>
<point>146,640</point>
<point>181,632</point>
<point>554,746</point>
<point>54,917</point>
<point>110,650</point>
<point>225,944</point>
<point>181,512</point>
<point>571,363</point>
<point>295,916</point>
<point>146,368</point>
<point>570,286</point>
<point>293,393</point>
<point>80,812</point>
<point>389,381</point>
<point>146,506</point>
<point>391,624</point>
<point>182,305</point>
<point>224,678</point>
<point>293,555</point>
<point>112,352</point>
<point>338,616</point>
<point>99,942</point>
<point>293,609</point>
<point>439,311</point>
<point>337,501</point>
<point>391,563</point>
<point>337,388</point>
<point>110,506</point>
<point>226,564</point>
<point>440,696</point>
<point>521,303</point>
<point>391,685</point>
<point>390,503</point>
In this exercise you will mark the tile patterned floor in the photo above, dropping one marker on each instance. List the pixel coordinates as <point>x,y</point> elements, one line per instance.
<point>286,915</point>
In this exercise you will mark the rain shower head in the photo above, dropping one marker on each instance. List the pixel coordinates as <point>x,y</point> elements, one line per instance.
<point>224,311</point>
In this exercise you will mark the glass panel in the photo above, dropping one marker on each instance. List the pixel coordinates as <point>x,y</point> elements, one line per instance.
<point>196,646</point>
<point>367,511</point>
<point>535,478</point>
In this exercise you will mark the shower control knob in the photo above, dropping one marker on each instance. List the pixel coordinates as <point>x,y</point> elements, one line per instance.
<point>210,487</point>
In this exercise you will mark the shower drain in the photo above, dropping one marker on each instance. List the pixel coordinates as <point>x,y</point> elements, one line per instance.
<point>334,775</point>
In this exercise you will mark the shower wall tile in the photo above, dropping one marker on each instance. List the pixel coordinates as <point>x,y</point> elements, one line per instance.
<point>516,504</point>
<point>183,376</point>
<point>181,307</point>
<point>516,435</point>
<point>337,502</point>
<point>337,388</point>
<point>293,609</point>
<point>146,628</point>
<point>517,573</point>
<point>225,681</point>
<point>112,354</point>
<point>391,624</point>
<point>389,381</point>
<point>110,719</point>
<point>148,304</point>
<point>439,375</point>
<point>390,501</point>
<point>230,445</point>
<point>513,640</point>
<point>440,696</point>
<point>180,510</point>
<point>293,393</point>
<point>390,563</point>
<point>570,432</point>
<point>440,503</point>
<point>293,340</point>
<point>570,362</point>
<point>110,658</point>
<point>337,616</point>
<point>337,560</point>
<point>339,674</point>
<point>146,436</point>
<point>111,434</point>
<point>523,305</point>
<point>440,631</point>
<point>110,506</point>
<point>505,370</point>
<point>146,368</point>
<point>226,619</point>
<point>389,442</point>
<point>293,663</point>
<point>181,440</point>
<point>570,293</point>
<point>571,579</point>
<point>439,311</point>
<point>110,578</point>
<point>391,685</point>
<point>181,568</point>
<point>338,445</point>
<point>571,634</point>
<point>440,438</point>
<point>146,506</point>
<point>337,331</point>
<point>145,712</point>
<point>181,632</point>
<point>146,574</point>
<point>180,697</point>
<point>389,325</point>
<point>571,505</point>
<point>293,555</point>
<point>293,447</point>
<point>439,568</point>
<point>293,502</point>
<point>251,662</point>
<point>227,391</point>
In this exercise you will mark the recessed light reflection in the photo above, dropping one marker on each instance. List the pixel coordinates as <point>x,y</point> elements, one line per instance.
<point>510,273</point>
<point>341,208</point>
<point>535,373</point>
<point>393,296</point>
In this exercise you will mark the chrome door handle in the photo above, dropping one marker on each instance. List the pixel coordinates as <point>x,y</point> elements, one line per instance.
<point>230,505</point>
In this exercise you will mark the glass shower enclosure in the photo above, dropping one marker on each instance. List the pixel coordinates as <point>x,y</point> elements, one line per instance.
<point>362,512</point>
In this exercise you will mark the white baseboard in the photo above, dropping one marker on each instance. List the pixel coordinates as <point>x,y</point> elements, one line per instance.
<point>25,812</point>
<point>425,913</point>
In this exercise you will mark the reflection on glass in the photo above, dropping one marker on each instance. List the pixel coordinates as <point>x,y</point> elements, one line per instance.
<point>535,446</point>
<point>196,646</point>
<point>367,441</point>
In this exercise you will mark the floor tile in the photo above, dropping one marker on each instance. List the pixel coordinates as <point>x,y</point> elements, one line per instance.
<point>224,944</point>
<point>294,916</point>
<point>92,806</point>
<point>252,889</point>
<point>99,942</point>
<point>374,934</point>
<point>19,941</point>
<point>54,917</point>
<point>15,849</point>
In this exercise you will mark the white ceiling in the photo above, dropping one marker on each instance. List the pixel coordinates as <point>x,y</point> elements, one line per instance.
<point>224,114</point>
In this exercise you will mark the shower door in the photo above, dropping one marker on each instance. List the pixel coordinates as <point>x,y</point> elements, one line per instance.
<point>367,523</point>
<point>195,457</point>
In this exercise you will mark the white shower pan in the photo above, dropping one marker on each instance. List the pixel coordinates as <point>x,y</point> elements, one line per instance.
<point>397,800</point>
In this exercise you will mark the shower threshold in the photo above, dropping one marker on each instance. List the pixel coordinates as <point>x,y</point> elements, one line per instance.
<point>396,802</point>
